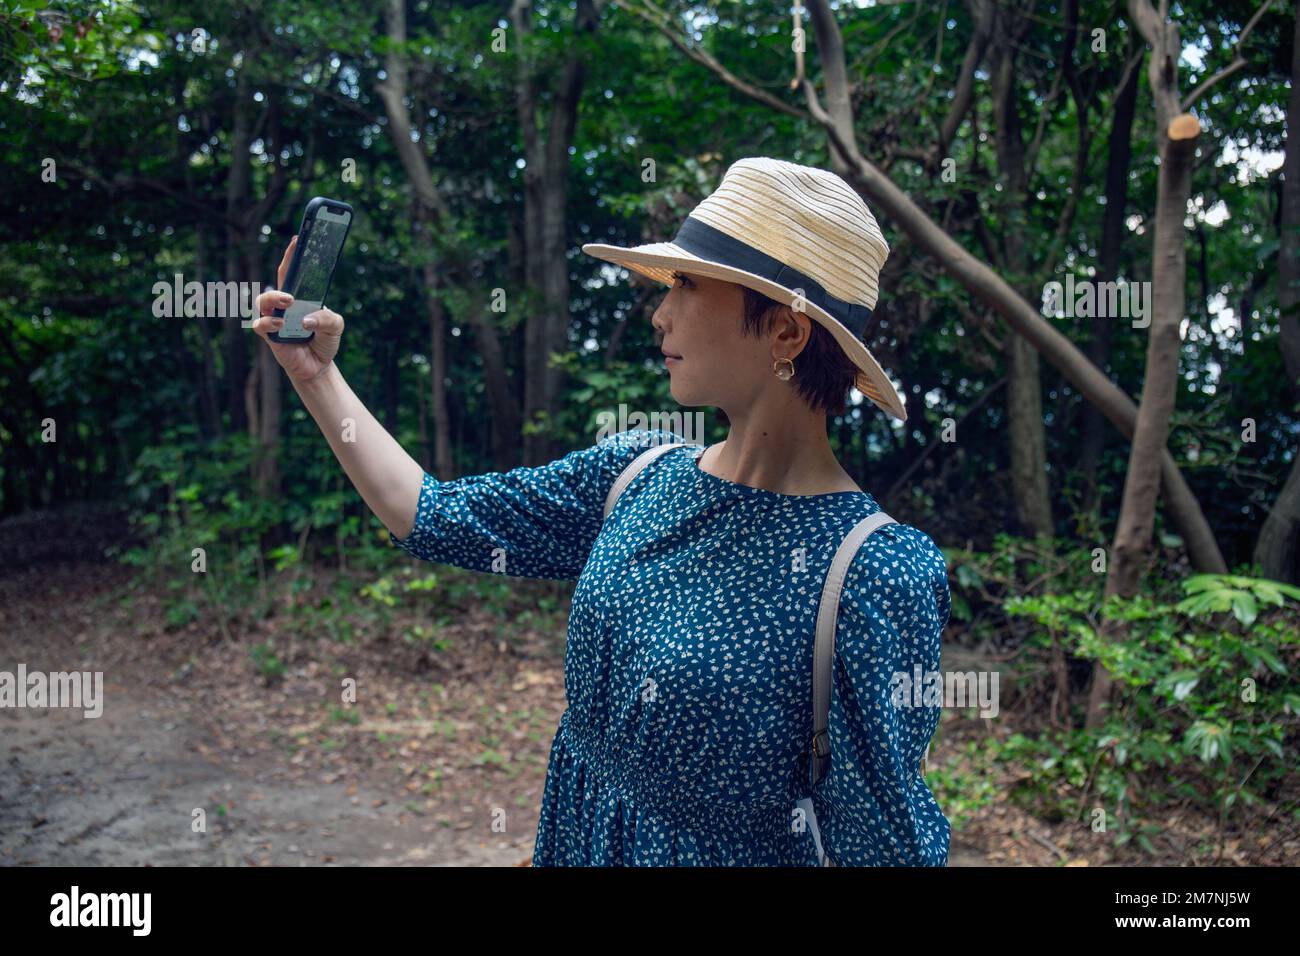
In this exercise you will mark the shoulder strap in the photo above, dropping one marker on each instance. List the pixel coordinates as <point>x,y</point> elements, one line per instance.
<point>824,649</point>
<point>633,469</point>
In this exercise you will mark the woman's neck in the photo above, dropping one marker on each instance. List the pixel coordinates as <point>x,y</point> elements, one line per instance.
<point>788,454</point>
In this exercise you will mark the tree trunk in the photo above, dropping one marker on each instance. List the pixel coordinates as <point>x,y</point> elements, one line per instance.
<point>426,453</point>
<point>209,399</point>
<point>270,380</point>
<point>388,351</point>
<point>1024,397</point>
<point>270,396</point>
<point>268,392</point>
<point>1119,152</point>
<point>237,190</point>
<point>546,176</point>
<point>1277,550</point>
<point>1178,132</point>
<point>431,209</point>
<point>443,462</point>
<point>1133,534</point>
<point>506,420</point>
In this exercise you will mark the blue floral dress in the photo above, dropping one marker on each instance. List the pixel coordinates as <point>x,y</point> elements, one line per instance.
<point>688,667</point>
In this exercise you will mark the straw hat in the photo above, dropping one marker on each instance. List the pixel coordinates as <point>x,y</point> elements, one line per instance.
<point>780,229</point>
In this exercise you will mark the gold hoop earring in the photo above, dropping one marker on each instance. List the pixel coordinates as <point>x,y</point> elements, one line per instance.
<point>784,374</point>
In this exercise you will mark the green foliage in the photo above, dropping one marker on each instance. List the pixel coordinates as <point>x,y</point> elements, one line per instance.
<point>961,784</point>
<point>1206,711</point>
<point>1220,592</point>
<point>50,47</point>
<point>183,501</point>
<point>449,593</point>
<point>346,715</point>
<point>188,515</point>
<point>266,663</point>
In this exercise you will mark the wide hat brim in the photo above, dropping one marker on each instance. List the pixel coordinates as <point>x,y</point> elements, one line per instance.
<point>658,261</point>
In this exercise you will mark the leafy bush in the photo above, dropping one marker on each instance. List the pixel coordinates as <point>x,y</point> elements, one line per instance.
<point>212,551</point>
<point>1206,708</point>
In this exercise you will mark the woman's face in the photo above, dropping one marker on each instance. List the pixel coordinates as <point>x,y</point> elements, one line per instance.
<point>699,324</point>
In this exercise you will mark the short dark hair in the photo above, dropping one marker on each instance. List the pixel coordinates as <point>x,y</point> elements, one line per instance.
<point>823,374</point>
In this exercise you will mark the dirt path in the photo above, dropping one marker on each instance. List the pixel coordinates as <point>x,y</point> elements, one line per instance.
<point>121,790</point>
<point>279,781</point>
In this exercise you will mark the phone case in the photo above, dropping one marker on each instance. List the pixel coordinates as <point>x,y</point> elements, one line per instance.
<point>309,217</point>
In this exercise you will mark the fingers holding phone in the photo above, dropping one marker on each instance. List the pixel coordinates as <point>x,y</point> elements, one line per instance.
<point>296,319</point>
<point>327,323</point>
<point>328,328</point>
<point>301,363</point>
<point>324,230</point>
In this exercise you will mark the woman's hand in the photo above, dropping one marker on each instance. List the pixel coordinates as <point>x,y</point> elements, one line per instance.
<point>302,363</point>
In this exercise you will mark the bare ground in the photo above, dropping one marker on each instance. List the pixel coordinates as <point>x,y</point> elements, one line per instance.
<point>434,772</point>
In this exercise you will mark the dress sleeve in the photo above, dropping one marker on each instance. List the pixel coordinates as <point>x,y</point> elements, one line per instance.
<point>873,806</point>
<point>538,522</point>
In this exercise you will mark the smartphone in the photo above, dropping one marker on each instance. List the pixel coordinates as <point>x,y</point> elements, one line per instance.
<point>325,225</point>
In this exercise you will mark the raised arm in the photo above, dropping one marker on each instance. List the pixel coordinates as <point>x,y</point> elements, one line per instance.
<point>385,476</point>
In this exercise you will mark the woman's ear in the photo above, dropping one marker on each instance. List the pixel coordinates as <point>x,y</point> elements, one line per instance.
<point>793,327</point>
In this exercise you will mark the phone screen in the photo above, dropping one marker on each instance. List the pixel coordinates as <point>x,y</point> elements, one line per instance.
<point>320,250</point>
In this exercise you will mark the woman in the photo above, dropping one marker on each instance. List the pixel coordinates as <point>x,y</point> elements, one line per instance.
<point>689,655</point>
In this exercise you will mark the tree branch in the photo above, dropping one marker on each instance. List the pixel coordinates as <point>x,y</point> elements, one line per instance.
<point>123,182</point>
<point>392,91</point>
<point>1237,63</point>
<point>656,17</point>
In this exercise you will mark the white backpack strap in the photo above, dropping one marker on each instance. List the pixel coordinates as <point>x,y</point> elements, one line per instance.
<point>633,469</point>
<point>824,649</point>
